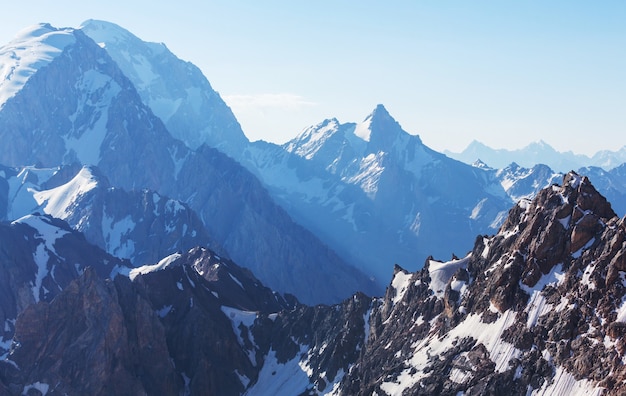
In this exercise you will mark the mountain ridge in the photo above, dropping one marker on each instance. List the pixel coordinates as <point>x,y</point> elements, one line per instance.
<point>537,308</point>
<point>82,108</point>
<point>538,152</point>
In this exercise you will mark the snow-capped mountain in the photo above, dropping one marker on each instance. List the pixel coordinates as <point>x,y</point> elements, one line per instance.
<point>537,308</point>
<point>378,195</point>
<point>538,153</point>
<point>80,107</point>
<point>176,91</point>
<point>141,226</point>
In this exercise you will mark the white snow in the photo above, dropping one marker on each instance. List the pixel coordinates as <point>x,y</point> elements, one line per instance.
<point>537,305</point>
<point>580,251</point>
<point>245,381</point>
<point>32,49</point>
<point>86,138</point>
<point>586,278</point>
<point>370,169</point>
<point>40,386</point>
<point>564,383</point>
<point>366,330</point>
<point>476,211</point>
<point>49,235</point>
<point>440,273</point>
<point>489,334</point>
<point>57,202</point>
<point>115,233</point>
<point>363,130</point>
<point>565,221</point>
<point>289,378</point>
<point>21,189</point>
<point>238,318</point>
<point>401,282</point>
<point>309,142</point>
<point>161,265</point>
<point>575,180</point>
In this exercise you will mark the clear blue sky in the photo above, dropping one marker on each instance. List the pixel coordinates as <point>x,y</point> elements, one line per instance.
<point>504,73</point>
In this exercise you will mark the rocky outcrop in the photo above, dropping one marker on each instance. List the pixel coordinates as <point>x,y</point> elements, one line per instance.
<point>95,338</point>
<point>538,308</point>
<point>39,257</point>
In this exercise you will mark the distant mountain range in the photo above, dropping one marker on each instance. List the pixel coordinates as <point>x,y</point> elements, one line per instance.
<point>538,153</point>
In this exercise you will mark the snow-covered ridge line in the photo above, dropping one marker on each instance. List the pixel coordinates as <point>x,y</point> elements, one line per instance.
<point>30,50</point>
<point>161,265</point>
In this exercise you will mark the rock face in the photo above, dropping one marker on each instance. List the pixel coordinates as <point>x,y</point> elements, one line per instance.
<point>535,309</point>
<point>39,257</point>
<point>95,338</point>
<point>80,107</point>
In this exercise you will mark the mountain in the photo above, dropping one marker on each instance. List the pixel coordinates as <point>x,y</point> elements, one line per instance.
<point>141,226</point>
<point>77,105</point>
<point>538,153</point>
<point>39,258</point>
<point>338,180</point>
<point>537,308</point>
<point>376,194</point>
<point>608,160</point>
<point>176,91</point>
<point>611,184</point>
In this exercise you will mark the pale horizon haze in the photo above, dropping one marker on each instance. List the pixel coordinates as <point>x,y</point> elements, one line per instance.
<point>503,73</point>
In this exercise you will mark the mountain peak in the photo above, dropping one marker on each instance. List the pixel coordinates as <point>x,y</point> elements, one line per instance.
<point>31,49</point>
<point>480,164</point>
<point>176,91</point>
<point>380,129</point>
<point>380,110</point>
<point>107,34</point>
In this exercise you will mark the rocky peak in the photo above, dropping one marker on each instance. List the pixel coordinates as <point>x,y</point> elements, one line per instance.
<point>380,130</point>
<point>313,139</point>
<point>480,164</point>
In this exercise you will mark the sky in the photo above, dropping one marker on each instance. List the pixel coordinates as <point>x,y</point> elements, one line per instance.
<point>503,73</point>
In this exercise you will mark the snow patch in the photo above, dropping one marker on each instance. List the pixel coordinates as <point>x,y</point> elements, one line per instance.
<point>401,282</point>
<point>563,383</point>
<point>363,130</point>
<point>115,233</point>
<point>39,386</point>
<point>87,137</point>
<point>240,318</point>
<point>49,234</point>
<point>289,378</point>
<point>440,273</point>
<point>57,202</point>
<point>161,265</point>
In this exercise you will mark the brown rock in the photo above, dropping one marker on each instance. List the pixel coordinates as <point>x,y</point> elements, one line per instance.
<point>585,229</point>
